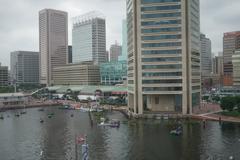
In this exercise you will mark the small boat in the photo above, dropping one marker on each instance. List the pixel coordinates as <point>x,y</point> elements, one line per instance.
<point>115,123</point>
<point>82,109</point>
<point>41,121</point>
<point>40,109</point>
<point>23,112</point>
<point>1,117</point>
<point>177,131</point>
<point>17,115</point>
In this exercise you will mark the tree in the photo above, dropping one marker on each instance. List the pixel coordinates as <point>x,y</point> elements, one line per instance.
<point>228,103</point>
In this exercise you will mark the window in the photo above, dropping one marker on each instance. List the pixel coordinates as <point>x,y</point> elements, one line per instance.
<point>169,44</point>
<point>158,1</point>
<point>161,8</point>
<point>161,37</point>
<point>156,100</point>
<point>159,15</point>
<point>146,52</point>
<point>173,66</point>
<point>154,23</point>
<point>155,30</point>
<point>165,59</point>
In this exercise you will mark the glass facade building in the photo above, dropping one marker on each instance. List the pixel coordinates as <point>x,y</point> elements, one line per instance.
<point>89,38</point>
<point>163,56</point>
<point>25,67</point>
<point>112,73</point>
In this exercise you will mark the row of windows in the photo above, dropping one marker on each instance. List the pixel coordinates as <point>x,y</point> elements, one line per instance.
<point>152,23</point>
<point>158,1</point>
<point>177,51</point>
<point>154,8</point>
<point>164,74</point>
<point>155,30</point>
<point>159,15</point>
<point>165,59</point>
<point>161,37</point>
<point>173,66</point>
<point>168,44</point>
<point>162,88</point>
<point>195,87</point>
<point>161,81</point>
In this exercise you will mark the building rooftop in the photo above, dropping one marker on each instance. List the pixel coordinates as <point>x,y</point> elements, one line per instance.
<point>87,17</point>
<point>12,94</point>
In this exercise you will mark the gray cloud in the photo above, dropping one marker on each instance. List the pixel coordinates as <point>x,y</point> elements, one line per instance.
<point>19,20</point>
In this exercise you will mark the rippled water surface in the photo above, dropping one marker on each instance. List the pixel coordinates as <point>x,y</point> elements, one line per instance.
<point>24,137</point>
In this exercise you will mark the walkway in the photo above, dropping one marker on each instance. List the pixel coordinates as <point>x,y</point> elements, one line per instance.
<point>209,111</point>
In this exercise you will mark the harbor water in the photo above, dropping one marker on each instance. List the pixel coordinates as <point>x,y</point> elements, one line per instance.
<point>26,138</point>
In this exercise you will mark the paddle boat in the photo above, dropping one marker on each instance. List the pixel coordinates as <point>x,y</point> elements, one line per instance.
<point>177,131</point>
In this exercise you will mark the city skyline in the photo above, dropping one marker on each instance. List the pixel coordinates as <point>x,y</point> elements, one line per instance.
<point>215,16</point>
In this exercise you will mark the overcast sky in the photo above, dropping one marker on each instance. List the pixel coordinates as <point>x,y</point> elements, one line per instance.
<point>19,20</point>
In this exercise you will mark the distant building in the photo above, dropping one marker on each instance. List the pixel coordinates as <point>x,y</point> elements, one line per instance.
<point>218,65</point>
<point>163,56</point>
<point>236,68</point>
<point>231,42</point>
<point>4,80</point>
<point>53,42</point>
<point>69,54</point>
<point>107,56</point>
<point>77,74</point>
<point>115,52</point>
<point>112,73</point>
<point>8,100</point>
<point>89,38</point>
<point>206,55</point>
<point>123,57</point>
<point>25,67</point>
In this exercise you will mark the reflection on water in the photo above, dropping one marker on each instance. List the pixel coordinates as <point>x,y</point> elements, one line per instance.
<point>24,137</point>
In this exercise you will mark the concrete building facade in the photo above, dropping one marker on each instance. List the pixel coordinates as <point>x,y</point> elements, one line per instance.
<point>77,74</point>
<point>25,67</point>
<point>89,38</point>
<point>53,42</point>
<point>115,52</point>
<point>231,42</point>
<point>163,56</point>
<point>206,55</point>
<point>4,80</point>
<point>236,68</point>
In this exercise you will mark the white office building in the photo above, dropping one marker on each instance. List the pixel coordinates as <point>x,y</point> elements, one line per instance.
<point>89,38</point>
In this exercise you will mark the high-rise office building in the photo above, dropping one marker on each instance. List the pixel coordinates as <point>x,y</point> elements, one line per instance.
<point>4,81</point>
<point>25,67</point>
<point>231,42</point>
<point>123,57</point>
<point>218,65</point>
<point>236,68</point>
<point>69,54</point>
<point>206,55</point>
<point>163,56</point>
<point>115,52</point>
<point>53,42</point>
<point>89,38</point>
